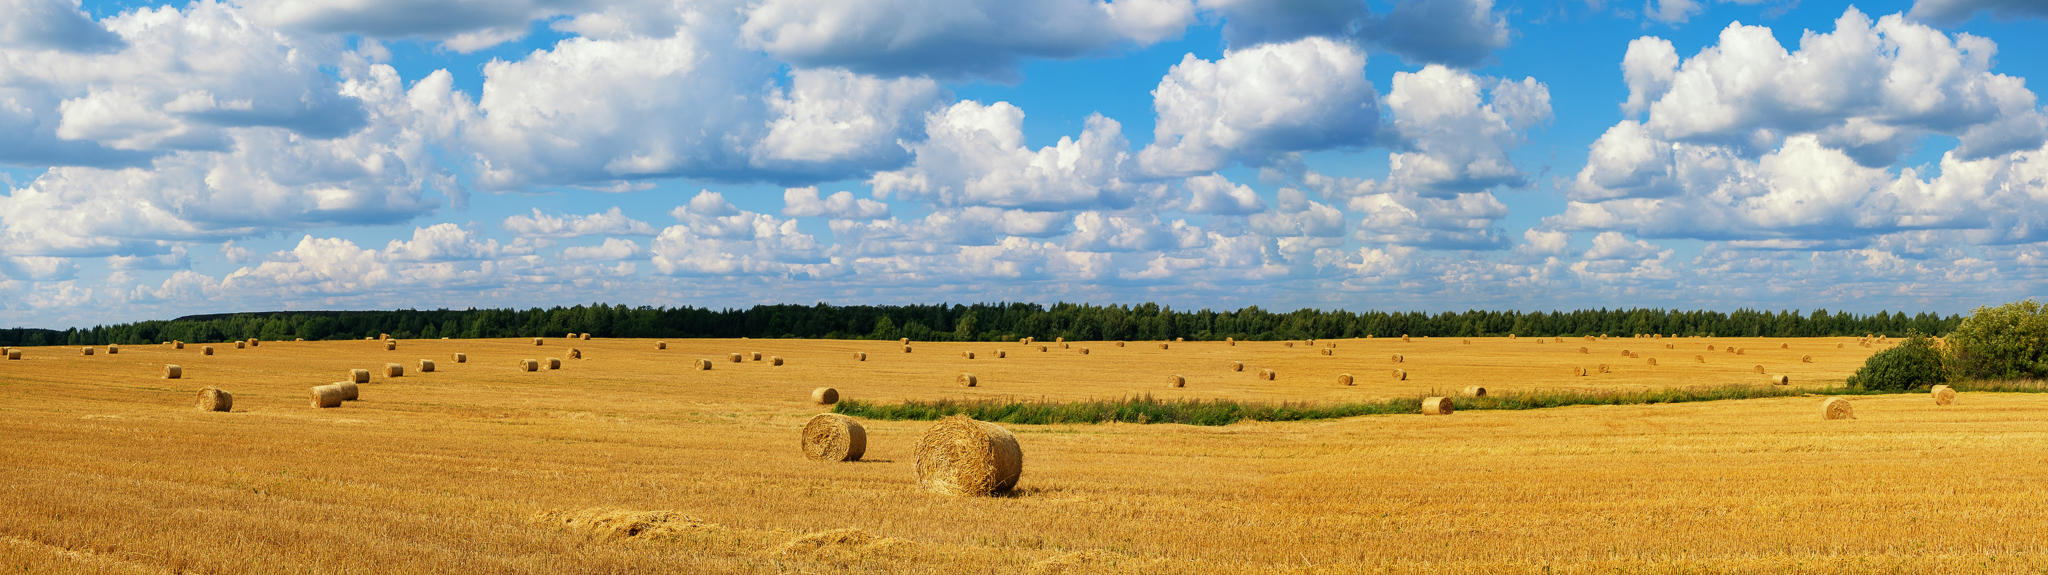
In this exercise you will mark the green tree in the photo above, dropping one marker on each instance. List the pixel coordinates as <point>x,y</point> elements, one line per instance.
<point>1915,362</point>
<point>2005,342</point>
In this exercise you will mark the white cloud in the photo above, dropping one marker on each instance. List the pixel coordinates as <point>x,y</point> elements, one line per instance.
<point>1296,215</point>
<point>1956,11</point>
<point>446,243</point>
<point>1544,243</point>
<point>840,123</point>
<point>463,25</point>
<point>1251,22</point>
<point>1099,232</point>
<point>38,268</point>
<point>613,249</point>
<point>1310,94</point>
<point>804,202</point>
<point>53,24</point>
<point>541,225</point>
<point>719,239</point>
<point>943,230</point>
<point>1214,194</point>
<point>175,259</point>
<point>1458,33</point>
<point>975,155</point>
<point>954,38</point>
<point>1461,142</point>
<point>1614,246</point>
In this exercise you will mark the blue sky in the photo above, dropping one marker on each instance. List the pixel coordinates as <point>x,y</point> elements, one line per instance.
<point>169,159</point>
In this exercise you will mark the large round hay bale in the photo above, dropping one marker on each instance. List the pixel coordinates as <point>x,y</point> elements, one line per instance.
<point>1624,353</point>
<point>1404,338</point>
<point>383,336</point>
<point>702,365</point>
<point>1237,366</point>
<point>967,354</point>
<point>326,396</point>
<point>1344,379</point>
<point>554,363</point>
<point>426,365</point>
<point>1511,336</point>
<point>529,365</point>
<point>1042,348</point>
<point>1474,391</point>
<point>1784,346</point>
<point>1653,361</point>
<point>1944,395</point>
<point>359,375</point>
<point>394,370</point>
<point>1437,406</point>
<point>13,354</point>
<point>860,356</point>
<point>834,437</point>
<point>904,341</point>
<point>1780,380</point>
<point>734,357</point>
<point>206,350</point>
<point>1468,342</point>
<point>1584,350</point>
<point>1838,346</point>
<point>966,380</point>
<point>575,353</point>
<point>1700,358</point>
<point>775,360</point>
<point>113,349</point>
<point>1059,340</point>
<point>1837,408</point>
<point>213,399</point>
<point>461,358</point>
<point>1268,375</point>
<point>1401,375</point>
<point>963,457</point>
<point>1710,347</point>
<point>241,344</point>
<point>177,345</point>
<point>660,345</point>
<point>1119,344</point>
<point>1180,339</point>
<point>824,396</point>
<point>906,349</point>
<point>391,345</point>
<point>170,371</point>
<point>1580,371</point>
<point>1162,346</point>
<point>1398,358</point>
<point>1759,369</point>
<point>86,351</point>
<point>349,390</point>
<point>1328,351</point>
<point>756,356</point>
<point>586,337</point>
<point>1604,369</point>
<point>1176,381</point>
<point>1084,351</point>
<point>1000,354</point>
<point>1289,344</point>
<point>536,341</point>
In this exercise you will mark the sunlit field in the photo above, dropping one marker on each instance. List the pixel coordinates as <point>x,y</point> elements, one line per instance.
<point>631,460</point>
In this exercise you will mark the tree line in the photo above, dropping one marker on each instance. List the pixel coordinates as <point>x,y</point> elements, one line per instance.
<point>977,322</point>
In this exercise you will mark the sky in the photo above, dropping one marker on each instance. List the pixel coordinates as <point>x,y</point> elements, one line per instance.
<point>161,160</point>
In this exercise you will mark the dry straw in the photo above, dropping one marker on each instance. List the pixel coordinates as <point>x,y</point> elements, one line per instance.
<point>1401,375</point>
<point>327,396</point>
<point>1398,358</point>
<point>963,457</point>
<point>586,337</point>
<point>1344,379</point>
<point>1180,339</point>
<point>775,360</point>
<point>1475,391</point>
<point>177,345</point>
<point>1084,351</point>
<point>1437,406</point>
<point>1237,366</point>
<point>1653,361</point>
<point>1059,340</point>
<point>966,380</point>
<point>1584,350</point>
<point>1837,408</point>
<point>394,370</point>
<point>206,350</point>
<point>702,365</point>
<point>170,371</point>
<point>1759,369</point>
<point>733,357</point>
<point>1119,344</point>
<point>241,344</point>
<point>1041,348</point>
<point>383,336</point>
<point>426,365</point>
<point>575,353</point>
<point>554,363</point>
<point>536,341</point>
<point>390,345</point>
<point>1781,380</point>
<point>461,358</point>
<point>213,399</point>
<point>1176,381</point>
<point>1162,346</point>
<point>967,354</point>
<point>1624,353</point>
<point>531,365</point>
<point>1580,371</point>
<point>1404,338</point>
<point>1700,358</point>
<point>359,375</point>
<point>1290,344</point>
<point>1268,375</point>
<point>113,349</point>
<point>348,390</point>
<point>834,437</point>
<point>86,351</point>
<point>660,345</point>
<point>906,349</point>
<point>904,341</point>
<point>860,356</point>
<point>1784,346</point>
<point>1710,347</point>
<point>1000,354</point>
<point>1328,351</point>
<point>1944,395</point>
<point>1603,368</point>
<point>824,396</point>
<point>756,356</point>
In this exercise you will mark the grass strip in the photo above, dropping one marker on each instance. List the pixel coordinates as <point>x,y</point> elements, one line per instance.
<point>1148,409</point>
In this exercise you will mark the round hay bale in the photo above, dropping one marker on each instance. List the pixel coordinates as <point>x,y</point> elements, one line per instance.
<point>213,399</point>
<point>1398,358</point>
<point>1700,358</point>
<point>1806,359</point>
<point>177,345</point>
<point>241,345</point>
<point>834,437</point>
<point>824,396</point>
<point>586,337</point>
<point>1759,369</point>
<point>1584,350</point>
<point>1237,366</point>
<point>1230,340</point>
<point>349,390</point>
<point>554,363</point>
<point>860,356</point>
<point>1268,375</point>
<point>1162,346</point>
<point>326,396</point>
<point>1580,371</point>
<point>359,375</point>
<point>1084,351</point>
<point>1344,379</point>
<point>1176,381</point>
<point>1780,380</point>
<point>1710,347</point>
<point>967,354</point>
<point>113,349</point>
<point>904,341</point>
<point>1670,346</point>
<point>1511,336</point>
<point>734,357</point>
<point>170,371</point>
<point>1023,340</point>
<point>1180,339</point>
<point>756,356</point>
<point>660,345</point>
<point>1653,361</point>
<point>383,336</point>
<point>1400,375</point>
<point>775,360</point>
<point>1474,391</point>
<point>390,345</point>
<point>1064,346</point>
<point>298,339</point>
<point>206,350</point>
<point>702,365</point>
<point>1741,351</point>
<point>1624,353</point>
<point>1404,338</point>
<point>1289,344</point>
<point>1837,408</point>
<point>966,380</point>
<point>536,341</point>
<point>529,365</point>
<point>1437,406</point>
<point>1838,346</point>
<point>1784,346</point>
<point>906,349</point>
<point>1539,342</point>
<point>575,353</point>
<point>1059,340</point>
<point>1328,351</point>
<point>1944,395</point>
<point>1000,354</point>
<point>1468,342</point>
<point>426,366</point>
<point>461,358</point>
<point>962,457</point>
<point>394,370</point>
<point>87,351</point>
<point>1603,368</point>
<point>1119,344</point>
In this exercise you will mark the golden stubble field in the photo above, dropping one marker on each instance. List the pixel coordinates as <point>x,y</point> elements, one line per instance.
<point>631,461</point>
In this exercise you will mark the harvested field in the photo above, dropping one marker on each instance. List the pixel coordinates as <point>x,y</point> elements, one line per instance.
<point>477,467</point>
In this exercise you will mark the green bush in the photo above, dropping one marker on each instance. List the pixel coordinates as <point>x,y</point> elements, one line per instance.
<point>2004,342</point>
<point>1916,362</point>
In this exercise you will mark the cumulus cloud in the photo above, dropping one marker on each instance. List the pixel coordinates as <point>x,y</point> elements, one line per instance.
<point>1215,194</point>
<point>804,202</point>
<point>541,225</point>
<point>974,155</point>
<point>1099,232</point>
<point>1461,141</point>
<point>53,25</point>
<point>954,38</point>
<point>1457,33</point>
<point>719,239</point>
<point>1948,12</point>
<point>1296,215</point>
<point>445,243</point>
<point>462,25</point>
<point>1310,94</point>
<point>38,268</point>
<point>612,249</point>
<point>838,123</point>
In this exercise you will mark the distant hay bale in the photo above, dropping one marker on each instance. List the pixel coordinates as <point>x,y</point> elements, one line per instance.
<point>834,437</point>
<point>967,354</point>
<point>1400,375</point>
<point>1162,346</point>
<point>359,375</point>
<point>1404,338</point>
<point>253,342</point>
<point>327,396</point>
<point>554,363</point>
<point>177,344</point>
<point>170,371</point>
<point>1474,391</point>
<point>241,345</point>
<point>660,345</point>
<point>1268,375</point>
<point>775,360</point>
<point>1511,336</point>
<point>1179,339</point>
<point>86,351</point>
<point>1119,344</point>
<point>1741,351</point>
<point>1041,348</point>
<point>1539,342</point>
<point>213,399</point>
<point>532,365</point>
<point>1584,350</point>
<point>1806,359</point>
<point>1710,347</point>
<point>1030,340</point>
<point>1603,368</point>
<point>1344,379</point>
<point>298,339</point>
<point>733,357</point>
<point>575,353</point>
<point>586,337</point>
<point>394,370</point>
<point>1237,366</point>
<point>1838,346</point>
<point>1700,358</point>
<point>1022,340</point>
<point>1059,340</point>
<point>570,335</point>
<point>1624,353</point>
<point>536,341</point>
<point>389,345</point>
<point>1437,406</point>
<point>824,396</point>
<point>461,358</point>
<point>1944,395</point>
<point>1653,361</point>
<point>967,380</point>
<point>1230,340</point>
<point>904,341</point>
<point>1670,346</point>
<point>1784,346</point>
<point>1398,358</point>
<point>860,356</point>
<point>13,354</point>
<point>962,457</point>
<point>702,365</point>
<point>1328,351</point>
<point>1759,369</point>
<point>906,349</point>
<point>1837,408</point>
<point>756,356</point>
<point>1580,371</point>
<point>1290,344</point>
<point>1780,380</point>
<point>383,336</point>
<point>1002,354</point>
<point>206,350</point>
<point>426,366</point>
<point>1064,346</point>
<point>1084,351</point>
<point>113,349</point>
<point>1176,381</point>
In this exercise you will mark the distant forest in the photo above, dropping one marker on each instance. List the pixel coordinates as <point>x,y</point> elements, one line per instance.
<point>980,322</point>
